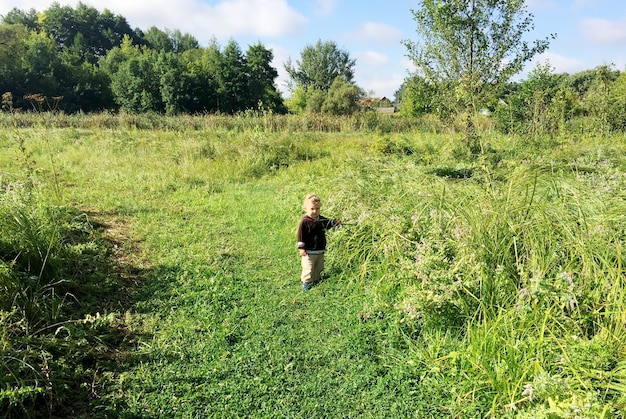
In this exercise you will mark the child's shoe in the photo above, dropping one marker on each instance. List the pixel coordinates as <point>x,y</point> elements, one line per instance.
<point>306,286</point>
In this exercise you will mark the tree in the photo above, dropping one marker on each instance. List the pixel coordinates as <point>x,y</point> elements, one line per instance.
<point>100,31</point>
<point>16,16</point>
<point>171,81</point>
<point>263,93</point>
<point>169,41</point>
<point>296,104</point>
<point>472,45</point>
<point>598,100</point>
<point>528,107</point>
<point>342,98</point>
<point>315,100</point>
<point>157,39</point>
<point>320,65</point>
<point>418,96</point>
<point>14,41</point>
<point>202,69</point>
<point>617,115</point>
<point>84,86</point>
<point>134,80</point>
<point>233,79</point>
<point>182,42</point>
<point>315,73</point>
<point>42,65</point>
<point>96,62</point>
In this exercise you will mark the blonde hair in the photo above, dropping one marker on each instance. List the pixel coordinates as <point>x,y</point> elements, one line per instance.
<point>311,198</point>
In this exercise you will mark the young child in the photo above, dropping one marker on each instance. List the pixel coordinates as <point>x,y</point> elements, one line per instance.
<point>312,240</point>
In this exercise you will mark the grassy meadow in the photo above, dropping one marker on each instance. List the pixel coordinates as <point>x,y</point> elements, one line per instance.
<point>151,272</point>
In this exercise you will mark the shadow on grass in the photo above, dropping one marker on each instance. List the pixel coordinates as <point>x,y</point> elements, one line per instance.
<point>70,364</point>
<point>452,173</point>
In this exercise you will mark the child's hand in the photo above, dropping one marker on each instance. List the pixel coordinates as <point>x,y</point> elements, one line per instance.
<point>302,252</point>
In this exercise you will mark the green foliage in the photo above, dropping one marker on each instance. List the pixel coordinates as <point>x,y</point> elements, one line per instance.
<point>476,46</point>
<point>467,53</point>
<point>457,286</point>
<point>200,70</point>
<point>263,94</point>
<point>557,104</point>
<point>47,348</point>
<point>617,111</point>
<point>392,145</point>
<point>320,65</point>
<point>169,41</point>
<point>597,98</point>
<point>342,98</point>
<point>315,99</point>
<point>198,80</point>
<point>296,104</point>
<point>95,61</point>
<point>135,85</point>
<point>233,85</point>
<point>99,31</point>
<point>540,104</point>
<point>13,44</point>
<point>421,97</point>
<point>323,81</point>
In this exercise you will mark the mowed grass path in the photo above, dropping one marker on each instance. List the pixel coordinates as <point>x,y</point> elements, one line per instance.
<point>232,334</point>
<point>222,326</point>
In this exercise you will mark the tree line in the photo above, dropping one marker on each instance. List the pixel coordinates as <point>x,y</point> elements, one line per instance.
<point>81,59</point>
<point>467,55</point>
<point>544,102</point>
<point>95,61</point>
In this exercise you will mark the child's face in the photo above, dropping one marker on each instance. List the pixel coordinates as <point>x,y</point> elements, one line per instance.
<point>312,209</point>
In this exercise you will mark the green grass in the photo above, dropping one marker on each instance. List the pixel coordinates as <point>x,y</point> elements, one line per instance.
<point>458,287</point>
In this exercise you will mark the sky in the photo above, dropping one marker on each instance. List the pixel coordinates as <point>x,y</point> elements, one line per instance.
<point>589,33</point>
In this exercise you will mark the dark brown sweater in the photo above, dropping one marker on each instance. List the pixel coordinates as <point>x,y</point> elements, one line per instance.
<point>312,232</point>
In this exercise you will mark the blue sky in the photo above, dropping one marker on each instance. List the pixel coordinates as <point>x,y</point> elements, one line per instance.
<point>589,32</point>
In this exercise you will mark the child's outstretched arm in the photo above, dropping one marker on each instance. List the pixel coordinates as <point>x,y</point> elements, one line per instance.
<point>329,223</point>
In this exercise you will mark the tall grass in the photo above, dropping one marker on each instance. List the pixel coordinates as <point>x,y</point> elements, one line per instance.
<point>51,263</point>
<point>459,286</point>
<point>525,267</point>
<point>271,123</point>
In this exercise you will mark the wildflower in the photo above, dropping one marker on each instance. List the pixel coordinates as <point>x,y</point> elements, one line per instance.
<point>528,391</point>
<point>523,293</point>
<point>572,303</point>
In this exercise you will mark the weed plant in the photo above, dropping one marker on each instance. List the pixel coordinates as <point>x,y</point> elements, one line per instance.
<point>266,122</point>
<point>459,285</point>
<point>54,283</point>
<point>529,250</point>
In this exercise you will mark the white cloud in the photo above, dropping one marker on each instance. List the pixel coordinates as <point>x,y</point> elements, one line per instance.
<point>371,58</point>
<point>383,80</point>
<point>603,31</point>
<point>408,64</point>
<point>376,32</point>
<point>281,55</point>
<point>578,4</point>
<point>380,84</point>
<point>228,18</point>
<point>7,5</point>
<point>559,63</point>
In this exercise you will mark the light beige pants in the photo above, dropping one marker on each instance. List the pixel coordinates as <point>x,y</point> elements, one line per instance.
<point>312,267</point>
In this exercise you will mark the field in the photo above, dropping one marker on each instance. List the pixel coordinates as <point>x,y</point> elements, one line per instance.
<point>152,272</point>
